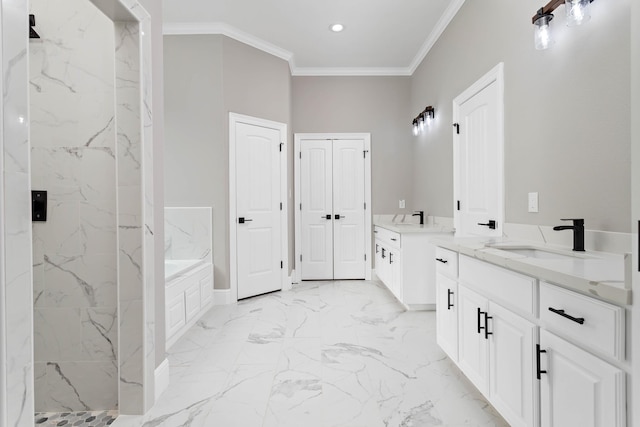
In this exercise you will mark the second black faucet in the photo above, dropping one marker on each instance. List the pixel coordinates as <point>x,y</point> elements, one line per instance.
<point>421,215</point>
<point>578,232</point>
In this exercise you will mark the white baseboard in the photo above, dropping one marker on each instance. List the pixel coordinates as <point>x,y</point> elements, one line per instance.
<point>221,296</point>
<point>288,284</point>
<point>161,375</point>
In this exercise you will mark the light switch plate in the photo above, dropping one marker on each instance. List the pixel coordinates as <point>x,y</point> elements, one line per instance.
<point>533,202</point>
<point>401,204</point>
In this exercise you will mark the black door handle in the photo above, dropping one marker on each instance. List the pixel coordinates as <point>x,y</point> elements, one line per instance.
<point>449,304</point>
<point>242,220</point>
<point>562,313</point>
<point>338,216</point>
<point>539,371</point>
<point>444,261</point>
<point>491,224</point>
<point>328,216</point>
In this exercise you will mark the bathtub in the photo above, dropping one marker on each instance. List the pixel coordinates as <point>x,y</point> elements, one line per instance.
<point>176,267</point>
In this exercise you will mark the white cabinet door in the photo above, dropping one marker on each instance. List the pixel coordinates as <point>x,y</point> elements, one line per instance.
<point>316,213</point>
<point>473,354</point>
<point>512,389</point>
<point>579,389</point>
<point>447,315</point>
<point>395,268</point>
<point>348,209</point>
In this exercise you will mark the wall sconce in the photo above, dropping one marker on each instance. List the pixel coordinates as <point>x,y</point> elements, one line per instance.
<point>578,12</point>
<point>423,120</point>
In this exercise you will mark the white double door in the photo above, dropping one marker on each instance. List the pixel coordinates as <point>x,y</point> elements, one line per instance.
<point>332,205</point>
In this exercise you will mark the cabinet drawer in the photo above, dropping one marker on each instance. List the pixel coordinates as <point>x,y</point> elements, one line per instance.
<point>514,289</point>
<point>192,300</point>
<point>175,314</point>
<point>387,237</point>
<point>447,262</point>
<point>602,327</point>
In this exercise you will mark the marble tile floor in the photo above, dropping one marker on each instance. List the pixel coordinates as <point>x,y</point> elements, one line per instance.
<point>83,419</point>
<point>324,354</point>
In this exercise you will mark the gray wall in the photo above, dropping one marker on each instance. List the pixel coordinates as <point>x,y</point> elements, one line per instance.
<point>222,76</point>
<point>379,105</point>
<point>567,111</point>
<point>155,10</point>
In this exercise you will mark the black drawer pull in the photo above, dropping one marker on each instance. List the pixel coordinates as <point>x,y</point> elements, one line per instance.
<point>539,371</point>
<point>393,239</point>
<point>449,304</point>
<point>579,320</point>
<point>444,261</point>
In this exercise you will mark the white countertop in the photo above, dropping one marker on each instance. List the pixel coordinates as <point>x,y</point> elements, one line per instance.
<point>597,274</point>
<point>410,228</point>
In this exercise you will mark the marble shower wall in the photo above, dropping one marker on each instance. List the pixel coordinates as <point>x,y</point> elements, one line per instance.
<point>187,233</point>
<point>73,157</point>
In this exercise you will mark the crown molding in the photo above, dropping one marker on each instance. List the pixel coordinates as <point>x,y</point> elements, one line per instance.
<point>350,71</point>
<point>439,28</point>
<point>191,28</point>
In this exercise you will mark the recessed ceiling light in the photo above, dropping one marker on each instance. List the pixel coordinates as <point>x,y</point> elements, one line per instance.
<point>336,28</point>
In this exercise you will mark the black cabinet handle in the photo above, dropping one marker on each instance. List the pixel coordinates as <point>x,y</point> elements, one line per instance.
<point>394,239</point>
<point>377,250</point>
<point>486,326</point>
<point>242,220</point>
<point>444,261</point>
<point>539,371</point>
<point>579,320</point>
<point>486,323</point>
<point>491,224</point>
<point>390,257</point>
<point>383,253</point>
<point>449,304</point>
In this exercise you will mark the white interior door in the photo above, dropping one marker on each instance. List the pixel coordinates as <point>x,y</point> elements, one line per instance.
<point>258,232</point>
<point>348,209</point>
<point>479,186</point>
<point>316,180</point>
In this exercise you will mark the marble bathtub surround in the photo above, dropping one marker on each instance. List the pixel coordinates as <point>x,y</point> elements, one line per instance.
<point>188,233</point>
<point>323,354</point>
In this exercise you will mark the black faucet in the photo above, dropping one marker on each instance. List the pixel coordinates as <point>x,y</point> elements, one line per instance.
<point>578,233</point>
<point>421,215</point>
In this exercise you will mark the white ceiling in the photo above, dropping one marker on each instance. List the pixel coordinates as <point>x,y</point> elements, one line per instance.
<point>381,37</point>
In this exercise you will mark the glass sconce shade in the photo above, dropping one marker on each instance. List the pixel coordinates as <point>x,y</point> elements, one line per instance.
<point>421,123</point>
<point>542,35</point>
<point>416,129</point>
<point>578,12</point>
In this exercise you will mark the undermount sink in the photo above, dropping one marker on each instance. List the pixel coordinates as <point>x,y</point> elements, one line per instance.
<point>538,253</point>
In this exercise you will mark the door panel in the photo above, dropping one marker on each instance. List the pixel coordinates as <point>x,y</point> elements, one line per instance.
<point>579,389</point>
<point>473,356</point>
<point>480,164</point>
<point>258,202</point>
<point>316,176</point>
<point>348,203</point>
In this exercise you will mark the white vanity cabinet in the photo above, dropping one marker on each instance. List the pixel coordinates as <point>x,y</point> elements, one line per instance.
<point>541,354</point>
<point>401,261</point>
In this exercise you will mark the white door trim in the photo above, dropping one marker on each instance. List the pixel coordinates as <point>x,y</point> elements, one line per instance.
<point>298,137</point>
<point>235,118</point>
<point>494,75</point>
